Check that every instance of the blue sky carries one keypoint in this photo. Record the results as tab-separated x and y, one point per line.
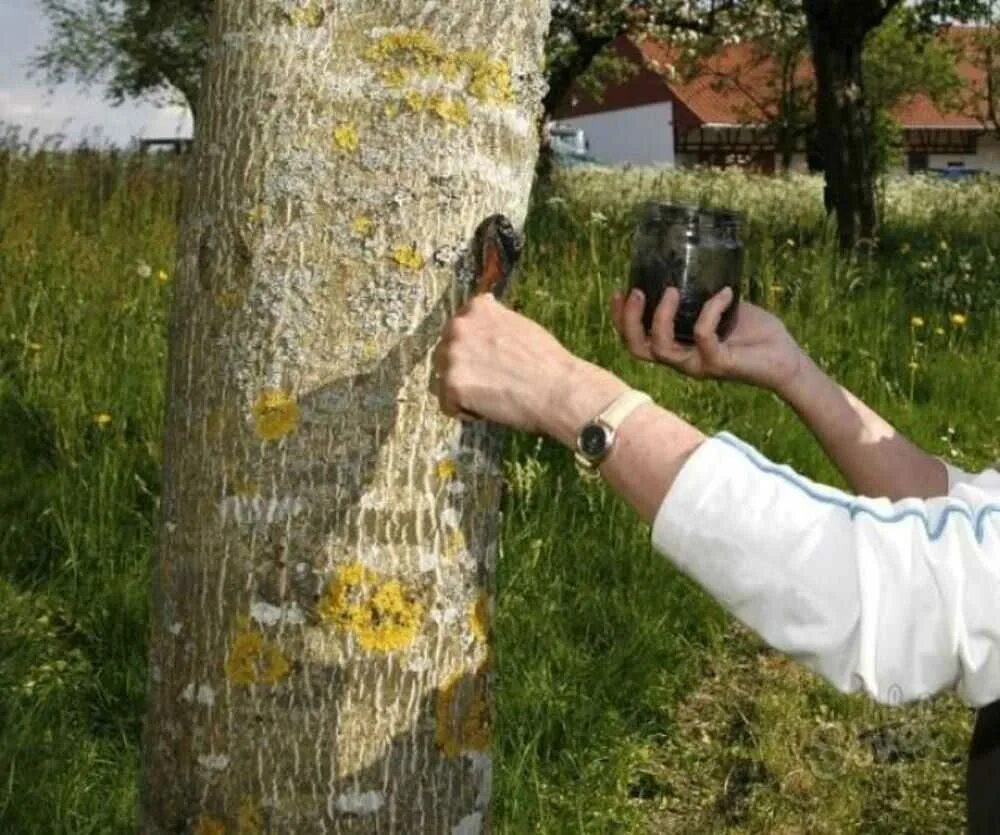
68	109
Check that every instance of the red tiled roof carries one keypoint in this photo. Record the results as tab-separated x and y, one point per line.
709	102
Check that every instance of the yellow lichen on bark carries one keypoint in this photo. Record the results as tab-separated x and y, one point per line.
275	414
245	488
259	213
408	257
446	469
490	79
363	226
382	614
345	137
249	820
454	543
252	659
418	52
462	713
206	825
311	14
228	299
479	617
447	109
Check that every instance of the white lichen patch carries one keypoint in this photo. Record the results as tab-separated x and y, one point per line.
374	499
419	664
428	561
451	518
250	510
278	317
469	825
175	628
213	762
482	766
445	616
359	803
203	694
268	614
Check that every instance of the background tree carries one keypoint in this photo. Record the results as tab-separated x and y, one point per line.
845	118
143	49
903	58
138	49
980	45
774	80
322	594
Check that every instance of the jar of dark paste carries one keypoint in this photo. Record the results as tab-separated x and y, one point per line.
696	249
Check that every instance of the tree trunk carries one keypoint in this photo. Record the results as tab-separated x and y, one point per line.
843	119
320	655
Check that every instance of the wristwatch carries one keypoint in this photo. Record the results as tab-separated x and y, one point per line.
594	441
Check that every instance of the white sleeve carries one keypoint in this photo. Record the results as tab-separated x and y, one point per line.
987	480
899	599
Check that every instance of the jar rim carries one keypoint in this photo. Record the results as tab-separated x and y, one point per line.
692	212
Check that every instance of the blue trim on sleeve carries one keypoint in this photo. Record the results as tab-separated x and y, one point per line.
854	505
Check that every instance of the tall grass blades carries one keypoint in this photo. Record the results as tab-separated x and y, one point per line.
627	700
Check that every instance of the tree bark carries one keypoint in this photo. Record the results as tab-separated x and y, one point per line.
843	117
320	656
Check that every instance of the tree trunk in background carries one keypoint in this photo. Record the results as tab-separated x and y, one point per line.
322	595
843	117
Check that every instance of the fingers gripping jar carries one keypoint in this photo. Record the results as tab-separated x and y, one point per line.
694	249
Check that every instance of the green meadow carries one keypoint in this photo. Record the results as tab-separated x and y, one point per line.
627	700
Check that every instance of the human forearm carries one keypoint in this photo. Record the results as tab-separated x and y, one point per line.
652	443
875	459
859	590
895	598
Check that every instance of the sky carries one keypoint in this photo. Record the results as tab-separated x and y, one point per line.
68	109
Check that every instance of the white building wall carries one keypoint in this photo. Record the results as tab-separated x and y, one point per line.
640	135
986	158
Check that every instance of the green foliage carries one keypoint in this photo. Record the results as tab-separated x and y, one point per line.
624	698
901	60
137	48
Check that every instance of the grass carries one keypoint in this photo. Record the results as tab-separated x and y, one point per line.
627	700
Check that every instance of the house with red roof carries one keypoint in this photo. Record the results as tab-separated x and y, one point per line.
658	116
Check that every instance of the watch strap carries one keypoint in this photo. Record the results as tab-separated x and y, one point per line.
612	417
621	407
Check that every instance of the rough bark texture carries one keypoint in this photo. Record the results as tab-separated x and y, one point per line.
843	118
320	654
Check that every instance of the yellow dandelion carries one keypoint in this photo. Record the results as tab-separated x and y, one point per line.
939	331
917	321
162	277
958	319
914	365
102	419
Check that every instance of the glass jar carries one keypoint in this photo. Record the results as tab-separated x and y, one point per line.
695	249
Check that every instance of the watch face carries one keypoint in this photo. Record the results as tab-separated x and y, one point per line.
593	440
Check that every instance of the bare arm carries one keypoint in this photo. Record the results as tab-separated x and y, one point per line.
895	598
651	445
875	459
